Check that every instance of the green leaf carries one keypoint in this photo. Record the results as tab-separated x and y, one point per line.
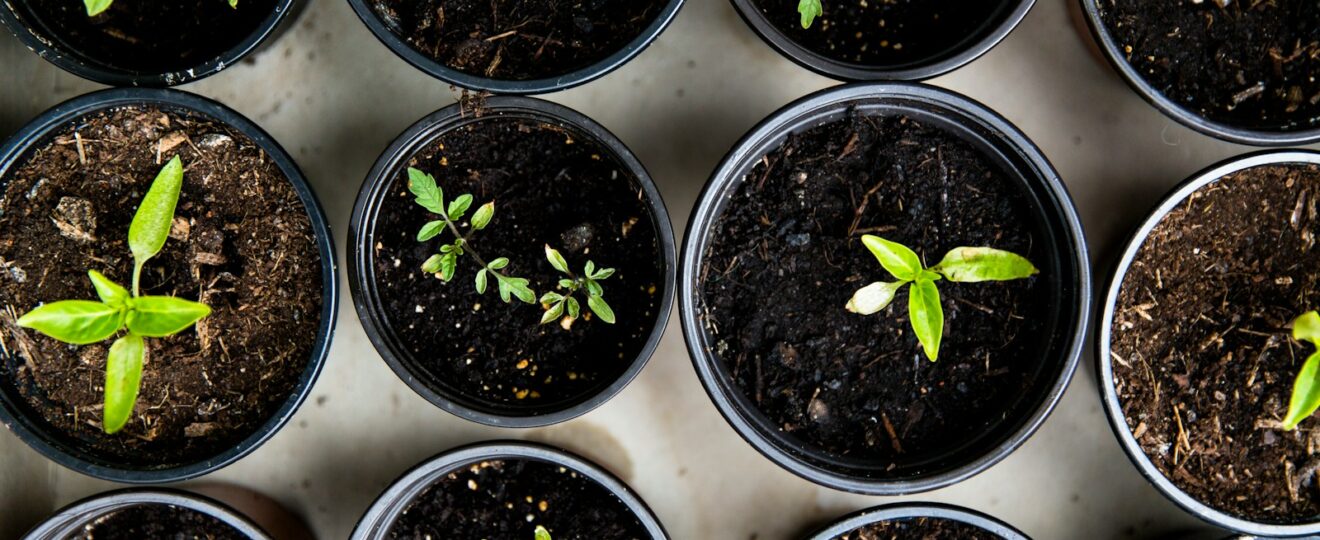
550	298
556	260
448	264
603	273
79	322
482	217
160	316
481	281
498	264
574	309
432	264
973	264
459	207
873	297
151	224
590	269
233	4
593	288
567	284
896	258
1306	393
927	316
810	9
431	230
518	287
113	294
553	313
95	7
429	195
1307	328
600	308
541	533
123	376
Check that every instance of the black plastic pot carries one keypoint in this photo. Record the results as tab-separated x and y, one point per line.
901	511
92	65
1002	142
380	517
970	48
1104	364
29	425
362	281
70	520
1113	51
564	81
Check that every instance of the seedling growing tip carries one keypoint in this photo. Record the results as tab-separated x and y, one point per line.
564	304
962	265
1306	388
82	322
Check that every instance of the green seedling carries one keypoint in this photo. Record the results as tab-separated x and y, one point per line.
443	264
83	322
809	9
95	7
1306	389
962	265
559	305
541	533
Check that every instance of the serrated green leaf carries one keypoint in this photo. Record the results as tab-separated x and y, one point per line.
79	322
574	309
113	294
550	298
428	194
556	259
1307	328
927	316
482	217
448	264
499	264
431	230
432	264
553	313
601	309
873	297
95	7
160	316
155	215
541	533
896	258
809	10
520	290
974	264
459	207
123	377
603	273
1306	393
481	281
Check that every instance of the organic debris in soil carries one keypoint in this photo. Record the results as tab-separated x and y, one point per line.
920	528
144	521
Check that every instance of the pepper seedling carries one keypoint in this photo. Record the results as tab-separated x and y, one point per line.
961	265
1306	388
558	304
809	9
83	322
95	7
541	533
443	264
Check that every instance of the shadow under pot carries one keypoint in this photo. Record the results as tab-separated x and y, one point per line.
519	47
927	521
514	267
904	40
518	489
1195	350
128	45
246	238
1241	72
780	264
167	513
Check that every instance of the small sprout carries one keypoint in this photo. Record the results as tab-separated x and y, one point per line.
541	533
962	265
810	9
445	263
564	305
82	322
96	7
1306	388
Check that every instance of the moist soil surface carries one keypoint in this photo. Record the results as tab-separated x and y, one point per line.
242	243
148	36
550	186
891	33
509	498
1202	354
158	521
517	39
919	529
786	255
1250	64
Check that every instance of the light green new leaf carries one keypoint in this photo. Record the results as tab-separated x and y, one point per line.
541	533
79	322
896	258
95	7
110	292
972	264
873	297
574	309
482	217
432	264
233	4
927	316
151	224
499	264
600	308
431	230
481	281
161	316
594	289
123	376
550	298
518	287
556	259
810	9
459	207
1306	393
567	284
429	195
1307	328
553	313
602	273
448	264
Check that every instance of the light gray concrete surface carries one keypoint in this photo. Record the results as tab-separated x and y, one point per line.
334	97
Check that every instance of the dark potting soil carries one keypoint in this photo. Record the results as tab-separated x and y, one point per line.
885	33
919	529
786	255
242	243
150	36
1250	64
517	39
1202	354
509	498
550	185
158	521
